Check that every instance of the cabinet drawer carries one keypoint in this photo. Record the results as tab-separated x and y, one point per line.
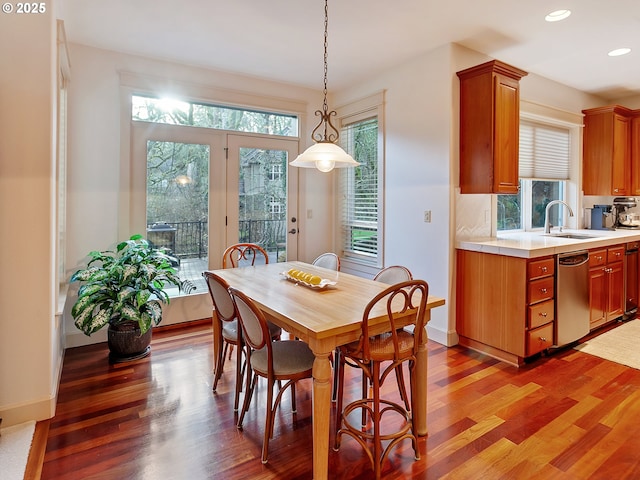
597	258
539	339
541	268
541	289
541	313
615	254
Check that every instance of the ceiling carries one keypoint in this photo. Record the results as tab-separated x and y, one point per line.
282	40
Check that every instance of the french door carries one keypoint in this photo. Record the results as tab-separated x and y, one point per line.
195	191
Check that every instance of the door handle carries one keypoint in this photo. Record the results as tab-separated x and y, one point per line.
293	231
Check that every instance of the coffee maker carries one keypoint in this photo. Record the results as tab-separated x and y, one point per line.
602	217
623	219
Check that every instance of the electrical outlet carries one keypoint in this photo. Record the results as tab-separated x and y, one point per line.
427	216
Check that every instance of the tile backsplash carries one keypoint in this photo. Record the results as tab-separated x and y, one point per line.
473	215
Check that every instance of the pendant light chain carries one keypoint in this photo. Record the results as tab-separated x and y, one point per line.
326	56
325	154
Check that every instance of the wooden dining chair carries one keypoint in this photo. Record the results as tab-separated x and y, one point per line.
390	275
378	356
393	274
244	254
328	260
286	360
224	312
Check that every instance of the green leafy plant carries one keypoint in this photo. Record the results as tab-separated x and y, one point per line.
125	286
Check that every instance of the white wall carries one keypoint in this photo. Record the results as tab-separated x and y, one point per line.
29	357
418	134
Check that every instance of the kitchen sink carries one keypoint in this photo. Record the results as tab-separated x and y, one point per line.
574	236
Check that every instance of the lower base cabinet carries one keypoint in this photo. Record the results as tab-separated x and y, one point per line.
505	306
606	285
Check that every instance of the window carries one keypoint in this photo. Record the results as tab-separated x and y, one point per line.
360	192
275	172
544	171
176	112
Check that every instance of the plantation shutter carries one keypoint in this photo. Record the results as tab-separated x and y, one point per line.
359	190
544	151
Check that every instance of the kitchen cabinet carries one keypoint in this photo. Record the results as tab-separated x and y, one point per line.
635	152
505	306
606	159
606	285
489	128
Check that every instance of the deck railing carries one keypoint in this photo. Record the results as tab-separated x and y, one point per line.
191	239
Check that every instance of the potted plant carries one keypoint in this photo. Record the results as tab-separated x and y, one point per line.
124	290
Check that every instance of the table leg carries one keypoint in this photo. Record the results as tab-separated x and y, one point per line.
321	415
421	386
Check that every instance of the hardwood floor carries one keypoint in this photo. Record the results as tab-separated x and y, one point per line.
567	416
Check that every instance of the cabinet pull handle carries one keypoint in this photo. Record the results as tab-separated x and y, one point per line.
543	339
543	290
544	269
543	314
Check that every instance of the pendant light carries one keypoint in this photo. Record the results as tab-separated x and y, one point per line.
325	154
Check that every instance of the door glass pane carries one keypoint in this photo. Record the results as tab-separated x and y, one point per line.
262	194
177	206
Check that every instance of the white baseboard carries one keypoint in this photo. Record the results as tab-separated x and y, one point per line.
446	338
38	410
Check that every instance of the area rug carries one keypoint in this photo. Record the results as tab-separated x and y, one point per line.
620	345
15	443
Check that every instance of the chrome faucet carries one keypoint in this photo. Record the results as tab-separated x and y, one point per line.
547	224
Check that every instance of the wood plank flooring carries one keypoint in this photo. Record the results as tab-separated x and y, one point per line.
566	416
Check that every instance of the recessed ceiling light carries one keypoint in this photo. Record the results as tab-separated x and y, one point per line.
619	51
557	15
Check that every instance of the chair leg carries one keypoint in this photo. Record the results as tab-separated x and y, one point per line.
377	442
293	398
402	388
336	360
239	377
252	379
220	363
338	423
268	427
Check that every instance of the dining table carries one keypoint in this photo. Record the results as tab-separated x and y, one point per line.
325	316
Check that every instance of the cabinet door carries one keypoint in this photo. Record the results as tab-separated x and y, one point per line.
615	287
635	154
597	296
507	134
621	159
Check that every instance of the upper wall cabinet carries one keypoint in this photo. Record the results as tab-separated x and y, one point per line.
606	158
635	152
489	128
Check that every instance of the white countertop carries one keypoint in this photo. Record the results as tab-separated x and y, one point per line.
537	244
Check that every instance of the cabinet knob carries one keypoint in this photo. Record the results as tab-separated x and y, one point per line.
544	269
543	290
543	339
543	314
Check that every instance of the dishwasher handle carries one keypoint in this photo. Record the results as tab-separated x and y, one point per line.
573	259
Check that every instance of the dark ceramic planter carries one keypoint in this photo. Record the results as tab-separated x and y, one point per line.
126	343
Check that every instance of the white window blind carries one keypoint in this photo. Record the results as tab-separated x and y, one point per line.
359	191
544	151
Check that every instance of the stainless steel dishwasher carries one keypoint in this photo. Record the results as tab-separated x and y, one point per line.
572	297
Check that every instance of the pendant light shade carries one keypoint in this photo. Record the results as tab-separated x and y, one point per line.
325	154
